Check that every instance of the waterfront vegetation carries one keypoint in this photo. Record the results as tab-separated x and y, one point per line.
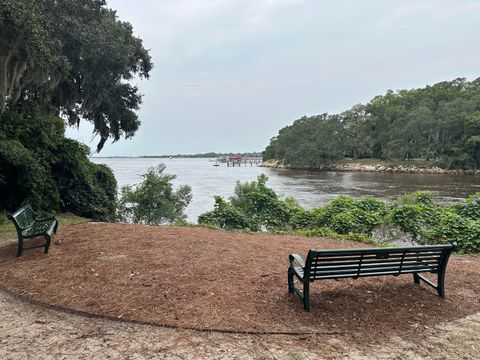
63	63
153	201
437	125
417	216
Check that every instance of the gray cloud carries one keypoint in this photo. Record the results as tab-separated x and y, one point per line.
229	74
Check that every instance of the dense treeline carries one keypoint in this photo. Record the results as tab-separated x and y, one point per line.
439	124
62	62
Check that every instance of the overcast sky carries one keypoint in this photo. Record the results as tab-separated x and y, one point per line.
230	73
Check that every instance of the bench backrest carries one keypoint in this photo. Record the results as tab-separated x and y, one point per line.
23	217
353	263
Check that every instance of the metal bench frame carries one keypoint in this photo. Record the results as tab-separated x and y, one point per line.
29	226
355	263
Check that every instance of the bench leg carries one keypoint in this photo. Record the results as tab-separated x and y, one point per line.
306	296
20	247
416	278
441	284
290	281
47	244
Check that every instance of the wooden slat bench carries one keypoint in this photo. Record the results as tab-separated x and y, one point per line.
29	226
355	263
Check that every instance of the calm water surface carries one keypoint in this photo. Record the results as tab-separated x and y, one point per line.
310	189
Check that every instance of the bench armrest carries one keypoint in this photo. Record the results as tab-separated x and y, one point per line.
297	258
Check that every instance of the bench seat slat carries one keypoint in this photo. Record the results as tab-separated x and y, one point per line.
366	274
322	258
374	261
396	250
355	272
373	267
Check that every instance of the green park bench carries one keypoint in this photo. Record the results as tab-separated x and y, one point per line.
355	263
29	226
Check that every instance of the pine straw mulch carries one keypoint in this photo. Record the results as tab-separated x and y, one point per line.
207	279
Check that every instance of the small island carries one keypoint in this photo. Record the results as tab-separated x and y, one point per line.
428	130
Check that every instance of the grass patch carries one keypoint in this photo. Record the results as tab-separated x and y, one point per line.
7	230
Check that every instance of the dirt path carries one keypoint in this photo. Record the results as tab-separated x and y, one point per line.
32	332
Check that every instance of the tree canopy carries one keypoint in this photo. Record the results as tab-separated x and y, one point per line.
76	59
439	123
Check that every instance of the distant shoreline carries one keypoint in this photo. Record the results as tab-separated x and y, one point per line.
182	156
371	166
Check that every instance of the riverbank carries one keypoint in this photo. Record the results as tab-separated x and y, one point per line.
374	165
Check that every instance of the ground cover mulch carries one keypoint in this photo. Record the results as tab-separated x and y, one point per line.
207	279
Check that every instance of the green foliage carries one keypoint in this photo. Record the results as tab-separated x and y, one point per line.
453	228
310	142
255	205
417	214
470	208
73	57
343	215
439	123
356	221
154	201
308	219
413	213
87	189
41	167
371	204
226	216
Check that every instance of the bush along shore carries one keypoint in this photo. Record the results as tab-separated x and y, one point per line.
415	217
358	166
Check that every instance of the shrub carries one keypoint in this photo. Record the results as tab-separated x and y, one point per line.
413	217
38	165
87	189
371	204
414	213
226	216
470	208
453	228
338	206
308	219
154	201
355	221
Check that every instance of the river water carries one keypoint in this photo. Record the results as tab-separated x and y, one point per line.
310	189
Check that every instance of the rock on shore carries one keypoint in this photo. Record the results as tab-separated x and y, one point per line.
358	167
